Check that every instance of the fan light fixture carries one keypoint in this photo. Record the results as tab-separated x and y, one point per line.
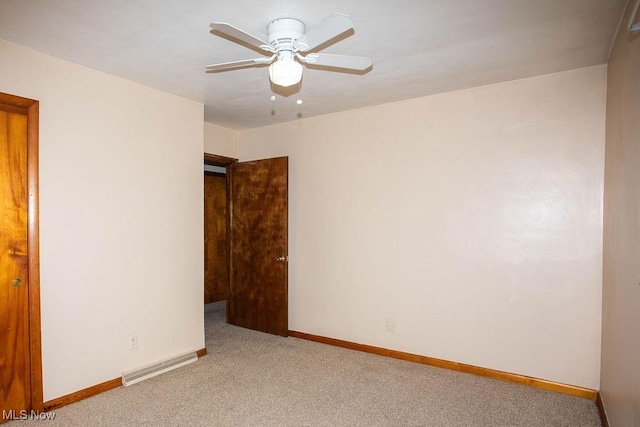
285	71
288	48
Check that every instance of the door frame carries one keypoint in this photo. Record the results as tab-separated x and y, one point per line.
31	108
215	160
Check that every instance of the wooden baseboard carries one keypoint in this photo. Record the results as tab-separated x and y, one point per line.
82	394
93	390
603	414
455	366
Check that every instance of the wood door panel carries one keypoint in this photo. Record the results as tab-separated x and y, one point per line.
15	388
216	259
259	289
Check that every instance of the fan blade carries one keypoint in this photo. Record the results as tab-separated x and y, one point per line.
237	34
332	26
358	63
238	64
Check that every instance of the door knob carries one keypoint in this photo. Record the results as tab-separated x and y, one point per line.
17	282
282	259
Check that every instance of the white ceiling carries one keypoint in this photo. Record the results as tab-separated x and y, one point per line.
418	47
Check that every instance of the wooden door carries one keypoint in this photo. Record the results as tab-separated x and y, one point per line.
15	375
216	258
258	294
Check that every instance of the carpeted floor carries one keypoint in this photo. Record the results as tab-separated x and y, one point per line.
254	379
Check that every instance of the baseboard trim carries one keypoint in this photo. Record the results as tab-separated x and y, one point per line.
82	394
93	390
603	414
454	366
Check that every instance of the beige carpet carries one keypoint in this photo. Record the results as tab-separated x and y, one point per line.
254	379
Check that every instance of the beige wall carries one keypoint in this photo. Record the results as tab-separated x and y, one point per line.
620	379
474	218
220	141
121	219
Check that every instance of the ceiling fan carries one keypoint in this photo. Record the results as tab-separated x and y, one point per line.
288	46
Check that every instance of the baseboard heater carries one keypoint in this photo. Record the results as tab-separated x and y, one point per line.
145	372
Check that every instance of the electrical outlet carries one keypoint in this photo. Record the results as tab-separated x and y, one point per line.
133	342
391	324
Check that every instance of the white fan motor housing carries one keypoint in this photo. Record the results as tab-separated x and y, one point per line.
283	32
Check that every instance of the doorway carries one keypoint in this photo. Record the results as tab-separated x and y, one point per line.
216	256
20	333
216	228
256	242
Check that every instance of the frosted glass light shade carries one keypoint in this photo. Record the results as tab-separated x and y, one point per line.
285	72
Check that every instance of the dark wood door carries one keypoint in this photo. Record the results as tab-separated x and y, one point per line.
15	388
216	258
258	297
